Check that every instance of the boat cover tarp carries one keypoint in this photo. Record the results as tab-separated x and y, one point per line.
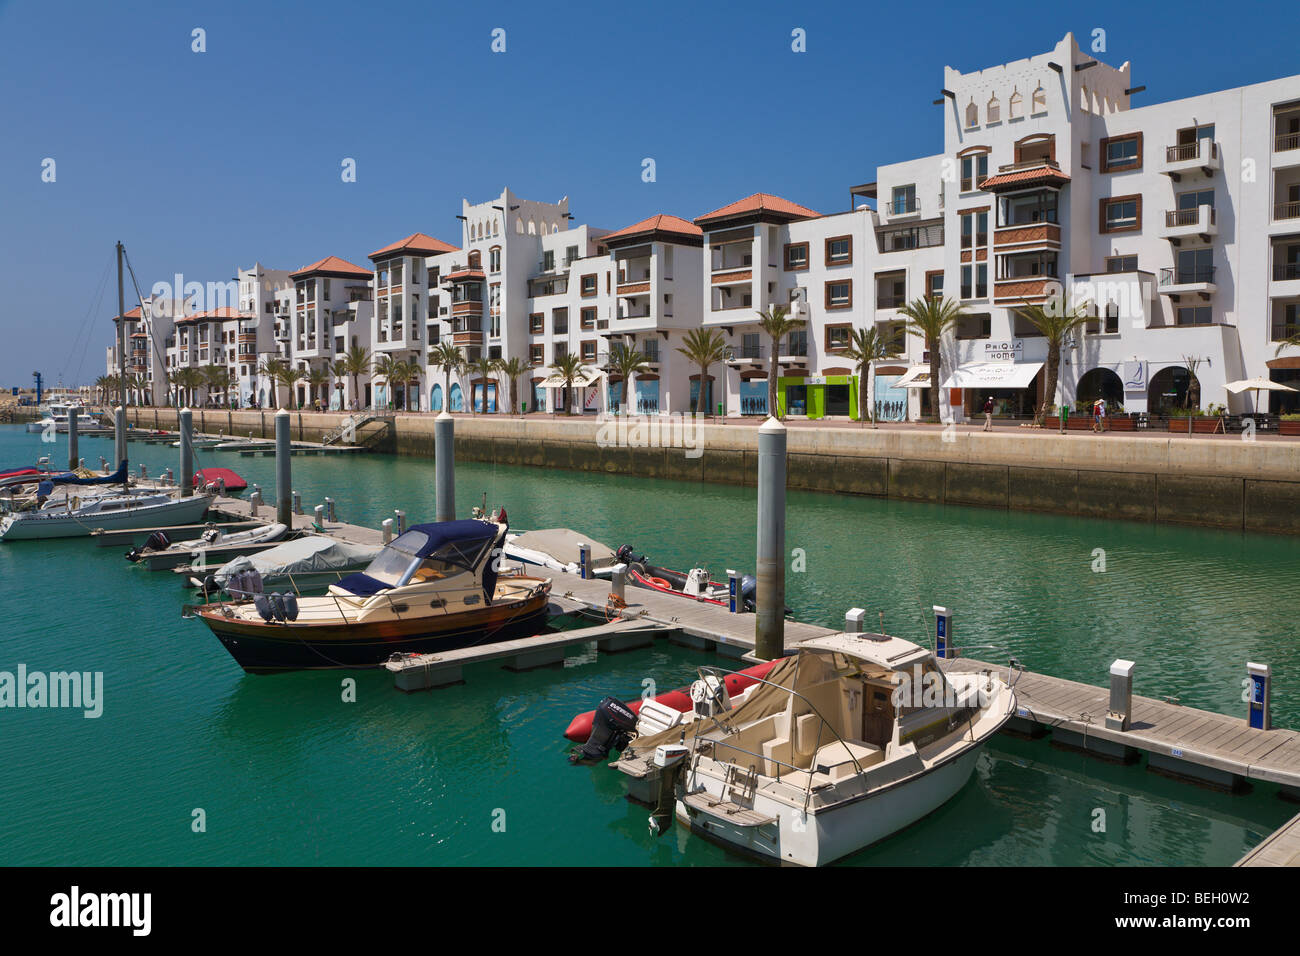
310	555
72	478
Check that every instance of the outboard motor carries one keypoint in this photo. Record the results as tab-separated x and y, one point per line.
627	556
669	758
749	591
612	728
155	542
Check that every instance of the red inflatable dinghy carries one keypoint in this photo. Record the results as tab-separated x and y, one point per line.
680	699
209	476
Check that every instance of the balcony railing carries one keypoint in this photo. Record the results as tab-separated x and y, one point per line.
1287	210
1282	331
890	301
1285	141
903	205
1184	152
745	352
1175	276
1286	271
1029	164
1186	217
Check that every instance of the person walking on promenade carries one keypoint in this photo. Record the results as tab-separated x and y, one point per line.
1099	416
988	414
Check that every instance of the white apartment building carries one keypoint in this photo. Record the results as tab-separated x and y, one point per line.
250	336
329	310
149	330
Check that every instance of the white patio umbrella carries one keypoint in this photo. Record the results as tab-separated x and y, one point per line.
1257	385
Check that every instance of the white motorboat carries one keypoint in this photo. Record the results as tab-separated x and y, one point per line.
212	537
72	516
244	444
557	549
308	563
56	418
843	744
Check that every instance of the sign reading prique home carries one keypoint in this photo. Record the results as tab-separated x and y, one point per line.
1008	350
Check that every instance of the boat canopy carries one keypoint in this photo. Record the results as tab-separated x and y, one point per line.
310	555
433	550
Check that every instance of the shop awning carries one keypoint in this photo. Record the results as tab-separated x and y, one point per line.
588	376
918	376
994	375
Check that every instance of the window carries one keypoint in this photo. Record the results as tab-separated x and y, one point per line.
839	251
1195	315
974	170
1015	106
559	321
1121	263
1121	214
796	343
589	285
588	318
974	326
1196	198
535	354
650	349
1027	209
837	337
536	322
993	111
476	260
934	285
570	253
904	200
1039	102
911	237
972	115
548	260
796	256
1121	153
588	350
494	259
975	281
1195	265
975	229
839	295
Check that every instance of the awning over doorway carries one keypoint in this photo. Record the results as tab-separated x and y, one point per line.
918	376
994	375
588	376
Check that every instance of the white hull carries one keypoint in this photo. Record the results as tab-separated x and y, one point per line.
829	833
40	525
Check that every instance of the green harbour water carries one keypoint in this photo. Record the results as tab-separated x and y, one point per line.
286	772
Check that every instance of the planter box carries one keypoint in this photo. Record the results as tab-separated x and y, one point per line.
1121	424
1288	428
1203	425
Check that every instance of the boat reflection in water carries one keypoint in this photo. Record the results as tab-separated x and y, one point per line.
433	588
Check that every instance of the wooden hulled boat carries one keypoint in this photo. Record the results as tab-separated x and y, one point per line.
433	588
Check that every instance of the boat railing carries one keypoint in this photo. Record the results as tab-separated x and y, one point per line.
728	728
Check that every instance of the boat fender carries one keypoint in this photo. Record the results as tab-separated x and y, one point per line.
612	728
277	606
263	605
291	606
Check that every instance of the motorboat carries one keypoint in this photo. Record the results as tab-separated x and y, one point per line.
557	550
310	563
434	587
244	444
694	584
56	419
841	745
72	516
202	443
213	536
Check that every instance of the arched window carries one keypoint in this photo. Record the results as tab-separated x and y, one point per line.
1015	105
457	399
972	115
1039	102
993	112
476	260
1085	102
519	225
496	227
532	227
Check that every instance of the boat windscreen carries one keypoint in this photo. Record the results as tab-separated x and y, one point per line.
396	562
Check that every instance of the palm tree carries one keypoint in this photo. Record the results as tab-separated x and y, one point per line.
626	362
387	368
568	366
928	318
449	358
290	376
355	362
1193	397
484	367
776	322
273	369
867	346
1057	318
216	378
319	379
512	369
1292	340
102	386
703	347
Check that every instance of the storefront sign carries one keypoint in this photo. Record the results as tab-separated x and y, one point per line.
1135	376
1012	350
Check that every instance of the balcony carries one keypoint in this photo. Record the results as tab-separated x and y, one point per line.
469	338
1177	282
735	277
902	208
1020	288
1198	222
745	355
1286	210
1029	235
1201	156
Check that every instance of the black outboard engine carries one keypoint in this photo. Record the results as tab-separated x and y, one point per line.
612	728
627	556
155	542
748	591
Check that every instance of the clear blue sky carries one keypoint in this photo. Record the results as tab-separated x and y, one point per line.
202	162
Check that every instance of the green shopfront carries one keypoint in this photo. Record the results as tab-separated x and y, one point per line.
818	396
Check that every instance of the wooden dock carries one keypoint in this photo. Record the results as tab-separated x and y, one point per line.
1281	848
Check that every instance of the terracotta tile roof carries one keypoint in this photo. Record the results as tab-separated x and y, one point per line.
659	223
466	274
1026	177
760	202
334	265
131	314
416	242
224	314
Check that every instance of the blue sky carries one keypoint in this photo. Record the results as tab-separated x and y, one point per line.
200	162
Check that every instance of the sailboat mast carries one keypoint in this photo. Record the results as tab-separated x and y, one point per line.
121	325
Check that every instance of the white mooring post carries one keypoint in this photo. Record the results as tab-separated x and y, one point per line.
297	503
400	515
853	620
319	512
1121	695
255	501
387	525
329	510
1259	715
769	626
584	561
943	633
618	581
444	467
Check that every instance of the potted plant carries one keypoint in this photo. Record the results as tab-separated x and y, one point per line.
1289	424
